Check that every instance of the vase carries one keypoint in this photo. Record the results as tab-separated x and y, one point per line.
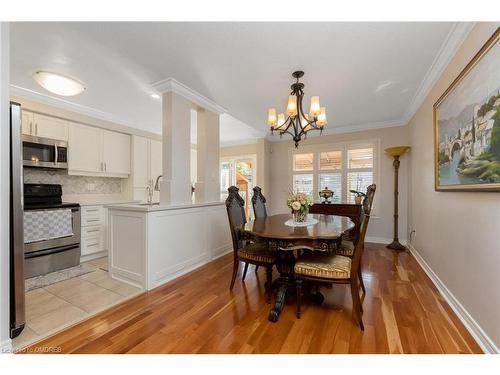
300	216
357	200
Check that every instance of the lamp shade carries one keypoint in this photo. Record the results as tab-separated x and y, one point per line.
315	109
321	120
397	151
271	117
291	107
281	119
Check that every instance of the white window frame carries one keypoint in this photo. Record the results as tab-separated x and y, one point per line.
317	149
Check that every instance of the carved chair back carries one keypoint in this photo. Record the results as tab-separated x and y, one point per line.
258	203
365	218
236	215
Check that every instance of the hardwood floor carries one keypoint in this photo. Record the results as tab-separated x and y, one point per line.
403	313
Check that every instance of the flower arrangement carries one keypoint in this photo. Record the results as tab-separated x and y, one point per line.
299	203
358	196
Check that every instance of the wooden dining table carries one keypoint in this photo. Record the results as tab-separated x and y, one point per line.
323	236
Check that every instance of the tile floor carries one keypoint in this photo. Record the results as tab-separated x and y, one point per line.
59	305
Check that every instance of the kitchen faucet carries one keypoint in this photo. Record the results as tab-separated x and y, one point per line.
157	183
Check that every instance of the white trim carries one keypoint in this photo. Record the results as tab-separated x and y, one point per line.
345	129
172	85
249	141
6	346
486	344
67	105
381	240
450	46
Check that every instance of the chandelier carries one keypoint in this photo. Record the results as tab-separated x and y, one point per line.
297	123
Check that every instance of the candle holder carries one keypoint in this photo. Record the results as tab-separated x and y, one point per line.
396	153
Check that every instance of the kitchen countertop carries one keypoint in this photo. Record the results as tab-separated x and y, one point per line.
160	207
98	200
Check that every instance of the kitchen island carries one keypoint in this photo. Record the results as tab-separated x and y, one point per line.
152	244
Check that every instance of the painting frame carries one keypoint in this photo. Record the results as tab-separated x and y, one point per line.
479	187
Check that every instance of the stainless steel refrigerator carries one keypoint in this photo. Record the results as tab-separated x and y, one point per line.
17	302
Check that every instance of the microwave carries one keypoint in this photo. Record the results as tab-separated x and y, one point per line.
41	152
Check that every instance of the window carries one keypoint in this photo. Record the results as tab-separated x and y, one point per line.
338	167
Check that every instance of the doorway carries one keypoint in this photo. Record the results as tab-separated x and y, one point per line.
239	171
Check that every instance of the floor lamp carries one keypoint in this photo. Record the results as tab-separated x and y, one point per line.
396	153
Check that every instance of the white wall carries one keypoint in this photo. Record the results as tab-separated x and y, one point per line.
4	187
381	226
457	233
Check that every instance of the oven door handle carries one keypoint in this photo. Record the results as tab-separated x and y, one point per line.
50	251
56	156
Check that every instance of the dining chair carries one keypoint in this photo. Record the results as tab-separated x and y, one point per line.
256	253
337	269
346	247
258	203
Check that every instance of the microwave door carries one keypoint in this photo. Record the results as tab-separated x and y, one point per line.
43	152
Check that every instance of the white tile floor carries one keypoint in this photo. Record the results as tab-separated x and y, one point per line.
59	305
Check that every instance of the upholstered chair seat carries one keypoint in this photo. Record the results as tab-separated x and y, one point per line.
346	248
324	266
257	252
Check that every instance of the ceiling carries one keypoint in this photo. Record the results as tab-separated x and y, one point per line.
366	74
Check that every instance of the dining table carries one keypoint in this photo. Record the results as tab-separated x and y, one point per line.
320	233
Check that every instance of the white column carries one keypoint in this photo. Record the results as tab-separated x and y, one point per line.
4	187
208	180
176	122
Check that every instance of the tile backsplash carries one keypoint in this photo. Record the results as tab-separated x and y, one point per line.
74	184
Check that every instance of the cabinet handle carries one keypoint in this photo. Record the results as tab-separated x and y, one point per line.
92	209
31	127
93	230
92	220
105	167
93	244
36	128
102	168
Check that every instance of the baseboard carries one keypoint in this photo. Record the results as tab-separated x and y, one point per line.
6	346
382	240
486	344
226	250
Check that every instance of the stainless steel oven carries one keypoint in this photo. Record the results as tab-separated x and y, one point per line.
53	250
44	152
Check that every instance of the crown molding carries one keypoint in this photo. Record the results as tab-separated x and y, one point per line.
448	49
172	85
67	105
348	129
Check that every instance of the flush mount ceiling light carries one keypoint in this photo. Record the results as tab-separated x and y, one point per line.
58	84
155	96
297	123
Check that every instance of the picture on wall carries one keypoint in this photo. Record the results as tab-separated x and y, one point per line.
467	125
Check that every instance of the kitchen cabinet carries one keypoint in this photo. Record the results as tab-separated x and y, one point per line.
146	166
93	232
44	126
27	120
84	150
97	152
116	152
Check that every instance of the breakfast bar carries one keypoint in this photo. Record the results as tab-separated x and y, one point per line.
152	244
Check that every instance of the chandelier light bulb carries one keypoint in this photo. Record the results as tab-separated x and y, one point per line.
315	109
304	121
271	117
291	108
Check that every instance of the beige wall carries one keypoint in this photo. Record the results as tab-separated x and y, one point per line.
457	233
380	227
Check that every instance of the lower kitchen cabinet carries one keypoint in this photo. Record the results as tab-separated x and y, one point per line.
93	232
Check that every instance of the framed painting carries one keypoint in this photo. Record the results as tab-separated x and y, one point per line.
467	126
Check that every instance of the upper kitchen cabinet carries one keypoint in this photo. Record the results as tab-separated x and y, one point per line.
98	152
44	126
116	153
146	166
84	150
